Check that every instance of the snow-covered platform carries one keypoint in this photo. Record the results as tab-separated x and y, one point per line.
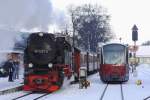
4	84
131	90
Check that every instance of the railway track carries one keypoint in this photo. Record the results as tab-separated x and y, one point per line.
101	98
41	96
122	96
22	96
32	95
105	94
147	98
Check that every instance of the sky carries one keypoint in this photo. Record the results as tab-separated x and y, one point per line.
25	14
40	15
124	14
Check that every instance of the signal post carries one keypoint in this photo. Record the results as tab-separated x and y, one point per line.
134	39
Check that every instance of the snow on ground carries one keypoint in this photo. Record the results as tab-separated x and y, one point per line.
138	92
4	84
131	90
74	93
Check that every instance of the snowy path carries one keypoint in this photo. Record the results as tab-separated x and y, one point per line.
4	84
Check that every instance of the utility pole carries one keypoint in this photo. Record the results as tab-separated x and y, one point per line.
73	49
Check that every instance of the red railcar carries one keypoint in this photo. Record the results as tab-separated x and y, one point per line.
87	60
90	61
114	63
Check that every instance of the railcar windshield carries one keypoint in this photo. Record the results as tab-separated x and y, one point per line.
114	54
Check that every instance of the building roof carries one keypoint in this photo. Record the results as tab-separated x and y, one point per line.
11	51
143	51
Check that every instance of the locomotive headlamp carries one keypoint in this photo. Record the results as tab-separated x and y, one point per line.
41	34
30	65
50	65
2	70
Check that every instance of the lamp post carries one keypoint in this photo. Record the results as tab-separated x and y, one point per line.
120	39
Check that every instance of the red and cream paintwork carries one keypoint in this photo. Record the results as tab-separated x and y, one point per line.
114	63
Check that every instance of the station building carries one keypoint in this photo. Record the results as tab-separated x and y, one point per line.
143	54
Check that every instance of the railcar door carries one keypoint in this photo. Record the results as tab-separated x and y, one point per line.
76	63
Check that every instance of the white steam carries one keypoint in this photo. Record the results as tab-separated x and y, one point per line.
25	14
7	40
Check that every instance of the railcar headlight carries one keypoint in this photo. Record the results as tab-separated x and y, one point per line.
41	34
50	65
30	65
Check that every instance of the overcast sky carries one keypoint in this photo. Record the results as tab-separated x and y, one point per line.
124	14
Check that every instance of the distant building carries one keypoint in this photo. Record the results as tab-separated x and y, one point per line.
143	54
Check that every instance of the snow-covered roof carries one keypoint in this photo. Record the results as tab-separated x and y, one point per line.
11	51
143	51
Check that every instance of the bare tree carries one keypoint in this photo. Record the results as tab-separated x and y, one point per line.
91	24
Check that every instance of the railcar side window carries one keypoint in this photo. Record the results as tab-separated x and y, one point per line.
67	57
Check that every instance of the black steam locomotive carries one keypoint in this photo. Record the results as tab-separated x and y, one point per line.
47	60
49	64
